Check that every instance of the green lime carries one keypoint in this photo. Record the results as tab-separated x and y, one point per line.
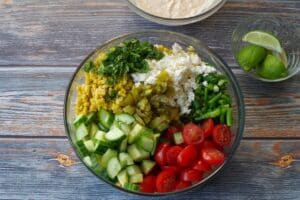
272	68
263	39
283	57
251	56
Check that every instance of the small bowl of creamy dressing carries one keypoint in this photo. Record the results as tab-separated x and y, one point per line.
175	12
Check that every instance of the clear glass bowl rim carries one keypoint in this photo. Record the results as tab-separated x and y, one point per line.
179	21
236	89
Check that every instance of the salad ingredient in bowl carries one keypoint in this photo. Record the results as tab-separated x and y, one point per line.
152	118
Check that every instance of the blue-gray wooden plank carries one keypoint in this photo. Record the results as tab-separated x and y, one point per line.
63	32
28	171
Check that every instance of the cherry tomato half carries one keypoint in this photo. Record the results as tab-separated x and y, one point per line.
210	144
192	134
202	166
176	169
161	153
149	184
221	135
182	184
166	181
187	156
172	154
212	156
208	127
191	175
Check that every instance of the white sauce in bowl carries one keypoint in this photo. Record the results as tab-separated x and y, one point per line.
175	9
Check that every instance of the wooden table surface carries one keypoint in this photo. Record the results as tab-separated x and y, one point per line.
42	42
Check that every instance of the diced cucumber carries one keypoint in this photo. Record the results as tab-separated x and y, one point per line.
93	129
87	160
102	128
100	135
136	153
115	134
81	132
147	166
123	177
135	133
146	143
81	147
89	145
125	159
124	127
123	145
178	139
94	160
125	118
110	153
101	145
105	118
91	161
133	169
91	117
113	167
80	119
136	178
156	138
132	187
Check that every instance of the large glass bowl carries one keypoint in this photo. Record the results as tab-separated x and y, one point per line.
166	38
176	22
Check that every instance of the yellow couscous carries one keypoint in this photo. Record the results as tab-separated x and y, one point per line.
94	93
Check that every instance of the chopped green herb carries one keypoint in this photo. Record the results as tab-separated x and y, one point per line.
129	57
89	66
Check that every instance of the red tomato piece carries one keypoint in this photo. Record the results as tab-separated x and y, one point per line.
149	184
210	144
160	155
171	130
191	175
212	156
192	134
176	169
202	166
182	184
221	135
166	181
172	154
187	156
208	127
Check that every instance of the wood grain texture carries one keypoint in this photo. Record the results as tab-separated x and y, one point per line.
32	103
28	171
64	32
42	42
